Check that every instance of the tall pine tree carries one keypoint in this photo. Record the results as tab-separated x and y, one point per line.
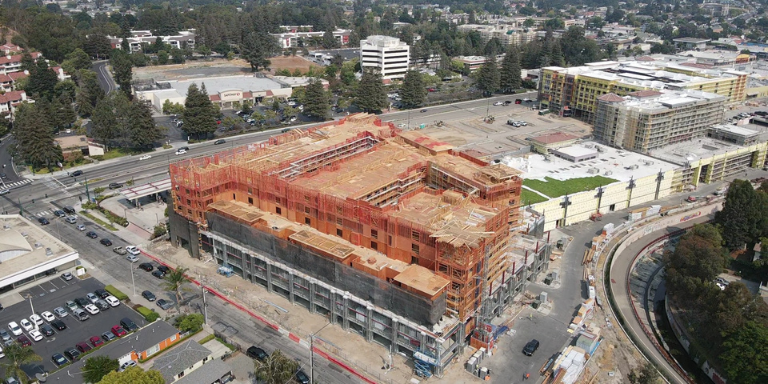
370	95
413	91
199	115
488	76
34	137
142	130
510	76
316	103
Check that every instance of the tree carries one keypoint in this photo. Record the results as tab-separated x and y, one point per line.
108	118
61	112
34	137
510	75
134	375
175	280
89	92
493	47
647	374
276	369
142	130
15	357
745	354
488	77
696	261
162	57
27	62
76	60
199	115
413	91
316	101
257	47
739	217
96	368
192	322
370	95
122	66
329	41
42	81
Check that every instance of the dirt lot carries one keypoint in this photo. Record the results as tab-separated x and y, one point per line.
291	63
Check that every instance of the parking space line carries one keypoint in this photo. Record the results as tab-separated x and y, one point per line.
54	285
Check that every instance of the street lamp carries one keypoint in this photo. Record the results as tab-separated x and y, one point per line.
133	281
312	353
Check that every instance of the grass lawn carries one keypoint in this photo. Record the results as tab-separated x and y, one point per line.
554	188
529	197
117	152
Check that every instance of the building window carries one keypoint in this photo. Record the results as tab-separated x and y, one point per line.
152	350
339	232
339	221
306	210
414	260
374	246
415	235
307	221
278	210
250	200
415	248
374	234
173	338
234	197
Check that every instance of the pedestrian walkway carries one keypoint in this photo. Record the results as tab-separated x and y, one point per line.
16	184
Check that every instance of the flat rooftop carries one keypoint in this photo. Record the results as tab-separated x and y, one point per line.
611	162
216	85
693	150
24	246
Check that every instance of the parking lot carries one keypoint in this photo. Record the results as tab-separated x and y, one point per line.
55	293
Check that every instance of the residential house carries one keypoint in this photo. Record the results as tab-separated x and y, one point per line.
184	360
9	101
12	63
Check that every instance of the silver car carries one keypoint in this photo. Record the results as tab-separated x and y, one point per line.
60	312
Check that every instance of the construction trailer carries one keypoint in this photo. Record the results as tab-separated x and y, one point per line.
360	213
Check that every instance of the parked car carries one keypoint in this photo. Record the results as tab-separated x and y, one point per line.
27	325
59	359
146	266
126	365
4	335
92	297
148	295
24	341
302	377
111	300
128	324
71	305
14	328
106	242
35	335
158	273
92	309
91	234
80	314
255	352
47	330
72	354
133	250
498	103
101	293
119	250
163	268
531	347
67	276
83	347
132	258
60	312
36	319
59	325
96	341
81	302
118	331
102	305
47	316
164	304
108	336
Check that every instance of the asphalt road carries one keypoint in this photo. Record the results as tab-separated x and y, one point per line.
103	75
55	293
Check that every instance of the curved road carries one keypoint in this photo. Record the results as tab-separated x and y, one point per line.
619	279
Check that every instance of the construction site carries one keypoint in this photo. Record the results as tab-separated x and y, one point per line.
394	235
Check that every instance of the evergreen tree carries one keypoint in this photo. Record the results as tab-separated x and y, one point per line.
42	81
740	215
142	130
199	114
316	103
107	119
61	112
370	95
34	137
96	368
413	90
510	75
488	76
557	55
125	45
122	67
329	42
89	92
27	62
256	49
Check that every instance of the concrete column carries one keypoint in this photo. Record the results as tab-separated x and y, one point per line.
345	315
395	325
312	308
422	341
461	338
291	296
439	356
333	309
269	275
369	323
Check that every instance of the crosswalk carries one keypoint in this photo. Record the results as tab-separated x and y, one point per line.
44	213
16	184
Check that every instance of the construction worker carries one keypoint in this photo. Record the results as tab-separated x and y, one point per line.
527	375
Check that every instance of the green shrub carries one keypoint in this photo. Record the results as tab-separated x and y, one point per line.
99	190
116	293
207	339
148	314
89	205
189	323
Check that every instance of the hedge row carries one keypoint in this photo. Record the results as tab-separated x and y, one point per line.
116	293
148	314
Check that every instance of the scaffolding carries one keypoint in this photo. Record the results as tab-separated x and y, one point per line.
414	200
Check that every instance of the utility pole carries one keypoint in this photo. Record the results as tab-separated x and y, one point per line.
130	265
87	193
205	305
312	353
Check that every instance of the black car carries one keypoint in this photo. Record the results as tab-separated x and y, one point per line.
82	302
423	110
128	324
102	305
158	273
46	330
76	173
531	347
59	359
302	377
146	266
164	269
219	141
43	221
101	293
59	325
106	242
115	185
72	354
255	352
184	148
59	213
148	295
91	234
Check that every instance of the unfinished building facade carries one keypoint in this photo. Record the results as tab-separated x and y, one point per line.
304	213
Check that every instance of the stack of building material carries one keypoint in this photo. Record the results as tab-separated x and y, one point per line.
569	365
584	310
